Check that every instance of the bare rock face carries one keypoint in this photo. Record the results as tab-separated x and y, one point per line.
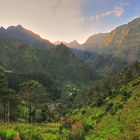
123	42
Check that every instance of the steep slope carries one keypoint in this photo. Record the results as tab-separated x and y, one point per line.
58	62
23	34
117	117
123	42
122	120
72	44
113	51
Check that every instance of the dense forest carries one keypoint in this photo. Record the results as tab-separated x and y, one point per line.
89	92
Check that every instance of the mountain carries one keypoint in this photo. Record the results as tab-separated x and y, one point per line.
63	96
107	53
72	44
113	51
23	34
123	42
57	42
59	62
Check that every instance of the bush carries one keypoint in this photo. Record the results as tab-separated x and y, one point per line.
10	134
87	128
77	136
2	135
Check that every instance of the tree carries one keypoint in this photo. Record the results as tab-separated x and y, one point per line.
33	93
13	102
68	94
3	91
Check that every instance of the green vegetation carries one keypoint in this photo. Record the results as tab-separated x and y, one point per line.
49	94
76	114
57	64
110	52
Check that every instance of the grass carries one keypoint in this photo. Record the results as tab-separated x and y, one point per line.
48	131
120	122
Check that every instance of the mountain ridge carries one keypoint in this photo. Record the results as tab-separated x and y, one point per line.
24	34
114	50
59	62
103	52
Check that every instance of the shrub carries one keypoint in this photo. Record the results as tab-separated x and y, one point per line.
87	127
2	134
77	136
10	134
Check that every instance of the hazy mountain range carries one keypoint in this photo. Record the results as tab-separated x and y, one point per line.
123	42
23	51
114	50
23	34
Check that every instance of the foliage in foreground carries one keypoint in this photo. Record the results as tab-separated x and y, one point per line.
117	119
115	116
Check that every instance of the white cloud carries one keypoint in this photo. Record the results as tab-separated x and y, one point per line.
117	11
52	19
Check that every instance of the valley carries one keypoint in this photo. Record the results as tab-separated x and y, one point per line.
70	91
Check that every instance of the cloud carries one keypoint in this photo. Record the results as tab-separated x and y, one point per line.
117	11
52	19
56	19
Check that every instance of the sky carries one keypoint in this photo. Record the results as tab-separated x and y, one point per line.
67	20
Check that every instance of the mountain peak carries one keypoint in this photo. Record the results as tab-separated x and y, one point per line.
57	42
96	38
20	26
72	44
17	28
136	19
2	28
21	33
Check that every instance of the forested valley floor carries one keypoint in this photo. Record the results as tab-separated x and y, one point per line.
106	109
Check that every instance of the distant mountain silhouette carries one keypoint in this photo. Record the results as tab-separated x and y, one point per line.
58	63
110	52
105	52
123	42
72	44
23	34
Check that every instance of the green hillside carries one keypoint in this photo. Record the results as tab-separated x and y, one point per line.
114	50
59	63
58	93
108	109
